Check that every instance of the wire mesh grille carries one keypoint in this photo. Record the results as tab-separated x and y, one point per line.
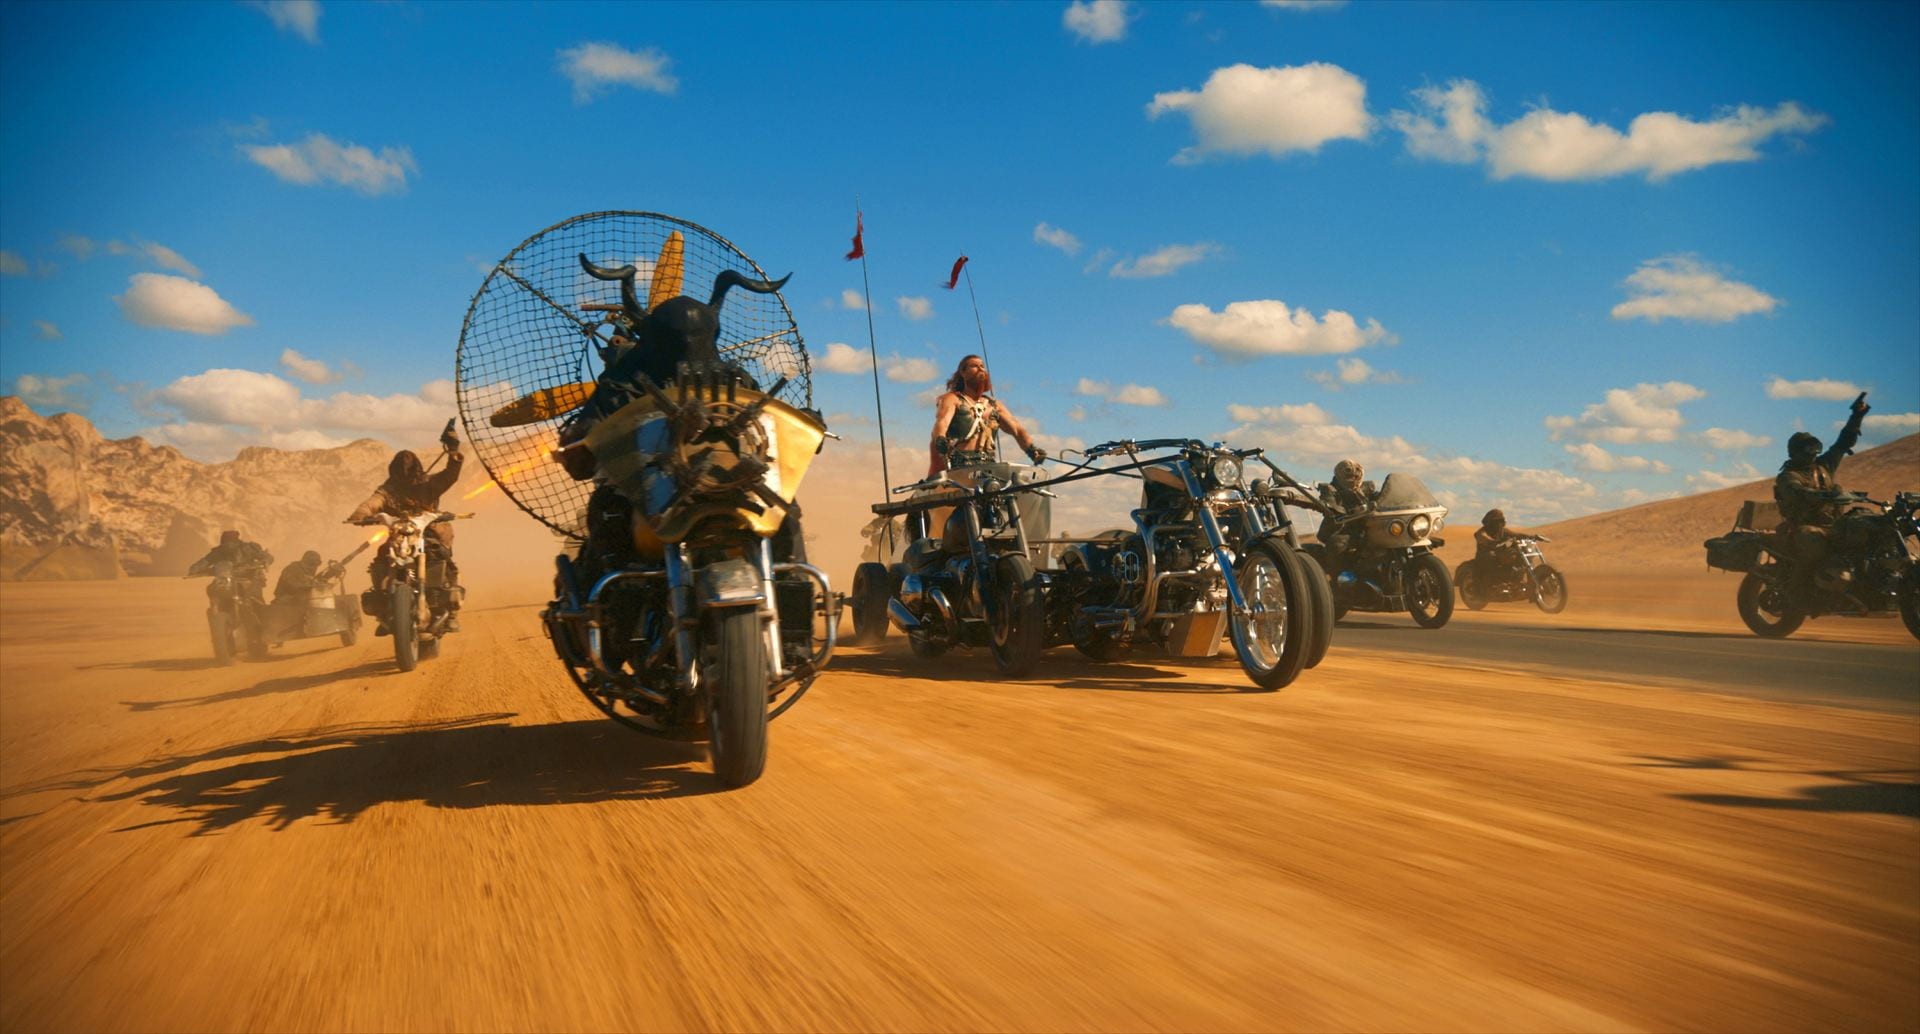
527	331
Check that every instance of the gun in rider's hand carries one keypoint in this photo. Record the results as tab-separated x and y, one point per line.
1860	404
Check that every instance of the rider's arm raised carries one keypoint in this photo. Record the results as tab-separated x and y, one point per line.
438	484
1849	436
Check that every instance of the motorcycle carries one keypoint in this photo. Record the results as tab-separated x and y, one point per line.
234	610
972	585
1210	556
1515	570
1392	566
418	601
1873	569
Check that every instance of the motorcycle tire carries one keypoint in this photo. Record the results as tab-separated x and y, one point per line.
1549	589
256	639
1468	585
350	634
1439	595
1910	603
1270	664
400	615
737	721
1022	630
1765	609
1321	592
872	590
220	630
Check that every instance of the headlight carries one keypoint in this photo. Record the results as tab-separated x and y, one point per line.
1421	525
1226	471
1438	523
1397	528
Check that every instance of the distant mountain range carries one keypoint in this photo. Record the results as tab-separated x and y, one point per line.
76	505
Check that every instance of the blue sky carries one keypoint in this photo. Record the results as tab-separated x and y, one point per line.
1558	258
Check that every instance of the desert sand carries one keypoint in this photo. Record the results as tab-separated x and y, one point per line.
1394	842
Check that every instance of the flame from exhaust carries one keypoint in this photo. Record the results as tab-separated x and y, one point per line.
377	537
518	468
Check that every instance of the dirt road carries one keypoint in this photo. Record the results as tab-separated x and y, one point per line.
1399	841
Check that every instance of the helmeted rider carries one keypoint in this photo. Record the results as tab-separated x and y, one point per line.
298	579
967	418
249	560
1347	496
1803	490
407	491
1493	531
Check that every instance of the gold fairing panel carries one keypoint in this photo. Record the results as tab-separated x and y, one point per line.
793	440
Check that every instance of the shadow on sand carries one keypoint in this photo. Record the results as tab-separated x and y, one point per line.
1889	792
337	774
285	684
1059	668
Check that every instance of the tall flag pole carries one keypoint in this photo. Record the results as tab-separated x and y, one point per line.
953	280
873	348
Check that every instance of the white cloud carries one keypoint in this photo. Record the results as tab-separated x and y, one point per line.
1353	372
1165	262
1451	124
176	303
76	245
1642	413
1465	485
219	410
313	371
1269	327
49	394
841	357
1055	237
909	371
48	330
1077	414
1636	496
852	299
160	255
167	258
1723	439
1304	5
1243	110
299	17
1709	480
1825	390
1680	287
1098	21
1903	423
320	160
1125	394
13	264
594	67
1600	461
915	308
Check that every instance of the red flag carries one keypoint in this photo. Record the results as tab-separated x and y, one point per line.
859	227
954	278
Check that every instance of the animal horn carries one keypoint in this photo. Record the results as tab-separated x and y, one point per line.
629	297
669	271
731	278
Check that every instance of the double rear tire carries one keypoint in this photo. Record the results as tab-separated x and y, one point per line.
872	589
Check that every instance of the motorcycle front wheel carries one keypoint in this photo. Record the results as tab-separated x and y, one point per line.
1765	608
1019	633
1271	637
1469	585
872	589
737	721
220	629
406	641
1429	591
1549	589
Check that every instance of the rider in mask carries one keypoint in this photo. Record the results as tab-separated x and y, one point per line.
1347	495
967	418
410	490
298	579
1493	530
1803	490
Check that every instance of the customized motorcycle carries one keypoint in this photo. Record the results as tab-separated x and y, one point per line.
1515	570
972	584
1873	569
1387	563
234	607
1208	554
686	608
418	602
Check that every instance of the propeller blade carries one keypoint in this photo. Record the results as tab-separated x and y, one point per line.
544	404
668	272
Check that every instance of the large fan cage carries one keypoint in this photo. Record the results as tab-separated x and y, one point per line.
527	331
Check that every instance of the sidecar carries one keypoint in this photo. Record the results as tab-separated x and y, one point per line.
323	612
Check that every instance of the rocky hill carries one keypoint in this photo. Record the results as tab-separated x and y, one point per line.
1668	533
76	505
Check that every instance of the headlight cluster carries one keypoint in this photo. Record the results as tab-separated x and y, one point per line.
1225	470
